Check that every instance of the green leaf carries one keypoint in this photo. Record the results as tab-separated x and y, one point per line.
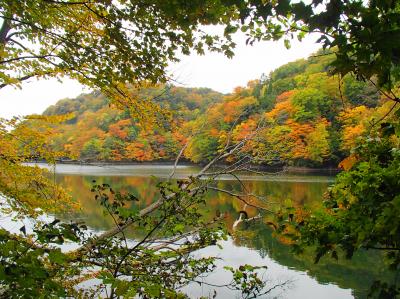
57	257
122	287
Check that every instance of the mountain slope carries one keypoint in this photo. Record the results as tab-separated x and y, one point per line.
302	115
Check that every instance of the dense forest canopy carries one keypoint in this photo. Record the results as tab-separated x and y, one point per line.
305	117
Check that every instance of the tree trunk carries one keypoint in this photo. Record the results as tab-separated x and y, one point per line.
5	28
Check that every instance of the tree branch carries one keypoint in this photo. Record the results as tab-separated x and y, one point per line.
27	57
177	160
24	78
68	2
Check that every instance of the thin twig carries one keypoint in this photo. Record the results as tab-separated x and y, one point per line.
384	116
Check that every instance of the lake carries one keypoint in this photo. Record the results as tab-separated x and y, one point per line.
252	242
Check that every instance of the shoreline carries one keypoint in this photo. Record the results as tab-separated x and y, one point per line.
261	168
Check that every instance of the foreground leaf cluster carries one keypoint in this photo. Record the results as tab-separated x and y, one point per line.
361	208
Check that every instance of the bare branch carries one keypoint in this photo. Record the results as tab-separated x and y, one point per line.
392	97
241	197
177	160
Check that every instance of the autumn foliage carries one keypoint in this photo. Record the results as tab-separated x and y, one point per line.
297	112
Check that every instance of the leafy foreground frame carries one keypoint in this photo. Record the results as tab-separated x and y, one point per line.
35	261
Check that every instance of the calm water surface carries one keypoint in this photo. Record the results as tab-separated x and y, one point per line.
252	244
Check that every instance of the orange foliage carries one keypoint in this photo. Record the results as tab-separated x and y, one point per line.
285	96
160	139
179	137
116	155
139	151
348	162
244	129
214	132
119	129
281	108
353	125
232	109
299	135
75	145
161	153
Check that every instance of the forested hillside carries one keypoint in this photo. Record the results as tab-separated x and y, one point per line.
303	117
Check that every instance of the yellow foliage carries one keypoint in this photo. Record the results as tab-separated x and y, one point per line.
29	188
350	135
354	115
317	142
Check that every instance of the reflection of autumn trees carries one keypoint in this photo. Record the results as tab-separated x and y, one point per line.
271	194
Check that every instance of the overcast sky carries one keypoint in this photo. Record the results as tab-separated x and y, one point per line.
211	70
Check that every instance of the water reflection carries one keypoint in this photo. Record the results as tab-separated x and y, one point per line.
253	243
145	189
